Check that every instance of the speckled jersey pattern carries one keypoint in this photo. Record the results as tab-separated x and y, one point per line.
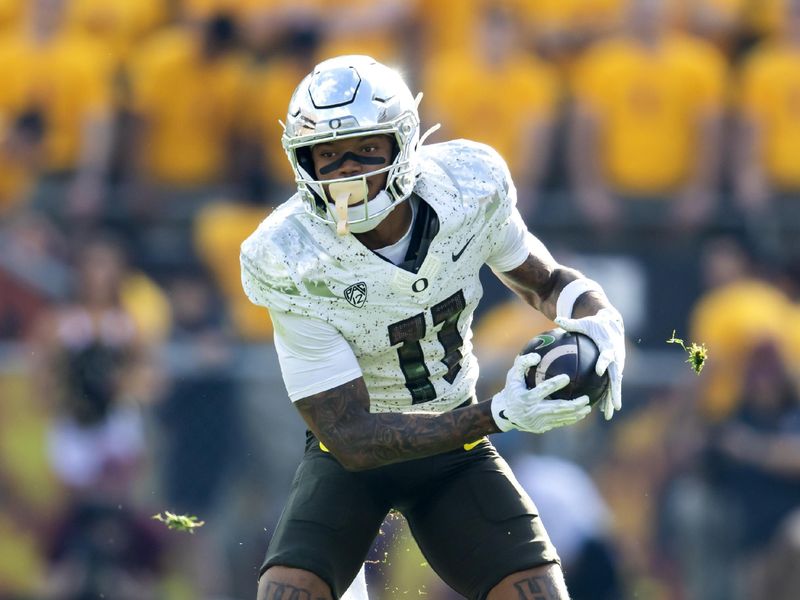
409	331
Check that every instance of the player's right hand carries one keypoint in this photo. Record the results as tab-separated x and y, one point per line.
517	407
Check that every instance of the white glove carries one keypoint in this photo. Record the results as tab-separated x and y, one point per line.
517	407
608	332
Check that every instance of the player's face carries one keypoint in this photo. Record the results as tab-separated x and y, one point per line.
352	157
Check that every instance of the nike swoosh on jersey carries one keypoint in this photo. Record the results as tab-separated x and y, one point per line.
457	255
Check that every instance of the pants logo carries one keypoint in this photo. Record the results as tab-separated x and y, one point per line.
356	294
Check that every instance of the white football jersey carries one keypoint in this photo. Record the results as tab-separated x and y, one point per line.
409	331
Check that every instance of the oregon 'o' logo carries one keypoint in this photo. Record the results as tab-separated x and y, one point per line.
356	294
420	285
335	123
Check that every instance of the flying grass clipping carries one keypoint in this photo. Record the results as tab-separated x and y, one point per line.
698	353
179	522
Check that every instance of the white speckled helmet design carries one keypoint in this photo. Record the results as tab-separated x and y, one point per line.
345	97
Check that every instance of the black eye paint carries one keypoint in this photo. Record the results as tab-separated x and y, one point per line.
364	160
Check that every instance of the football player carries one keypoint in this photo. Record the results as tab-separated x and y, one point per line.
370	275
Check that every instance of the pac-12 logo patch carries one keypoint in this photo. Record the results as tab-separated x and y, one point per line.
356	294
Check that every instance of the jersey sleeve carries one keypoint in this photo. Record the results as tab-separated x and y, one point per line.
510	249
281	265
508	230
313	355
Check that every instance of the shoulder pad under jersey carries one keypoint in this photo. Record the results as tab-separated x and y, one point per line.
280	262
474	168
466	181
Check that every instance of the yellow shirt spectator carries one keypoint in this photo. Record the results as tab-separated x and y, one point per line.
66	79
116	24
148	306
766	17
733	320
350	26
447	26
648	103
189	106
367	27
218	233
770	96
573	15
491	104
11	12
270	90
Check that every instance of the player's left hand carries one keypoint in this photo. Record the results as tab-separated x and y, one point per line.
607	331
517	406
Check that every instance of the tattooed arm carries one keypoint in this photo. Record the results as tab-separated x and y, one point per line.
341	420
311	351
540	279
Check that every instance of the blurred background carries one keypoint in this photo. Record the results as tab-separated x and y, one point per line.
655	145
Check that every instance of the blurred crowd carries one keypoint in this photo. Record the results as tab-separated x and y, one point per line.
655	144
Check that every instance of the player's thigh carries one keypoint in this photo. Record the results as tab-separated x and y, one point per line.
539	583
479	526
328	524
280	583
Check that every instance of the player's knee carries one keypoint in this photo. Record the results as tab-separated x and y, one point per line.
285	582
538	583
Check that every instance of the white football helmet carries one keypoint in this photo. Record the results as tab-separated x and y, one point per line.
346	97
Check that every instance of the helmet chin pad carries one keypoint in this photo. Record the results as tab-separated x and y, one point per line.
351	210
378	209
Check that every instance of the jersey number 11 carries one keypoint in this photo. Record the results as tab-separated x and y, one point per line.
412	361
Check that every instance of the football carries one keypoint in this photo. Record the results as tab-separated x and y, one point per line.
572	353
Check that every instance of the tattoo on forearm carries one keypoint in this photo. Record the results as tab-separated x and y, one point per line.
371	440
538	587
540	282
286	591
533	280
